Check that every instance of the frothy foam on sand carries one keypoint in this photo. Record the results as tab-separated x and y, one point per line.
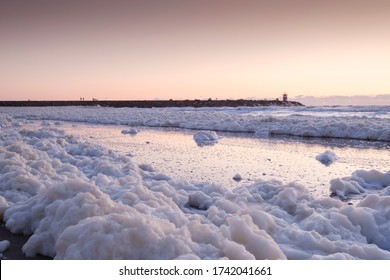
304	122
327	157
203	138
79	200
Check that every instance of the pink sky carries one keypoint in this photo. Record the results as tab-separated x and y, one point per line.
150	49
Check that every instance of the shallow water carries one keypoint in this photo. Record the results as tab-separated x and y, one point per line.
175	153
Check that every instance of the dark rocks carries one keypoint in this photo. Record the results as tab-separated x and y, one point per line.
153	103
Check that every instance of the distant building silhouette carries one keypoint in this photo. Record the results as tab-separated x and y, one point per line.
284	96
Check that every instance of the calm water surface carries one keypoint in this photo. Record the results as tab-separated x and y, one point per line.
175	153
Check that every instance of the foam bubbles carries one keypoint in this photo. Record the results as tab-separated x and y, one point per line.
3	206
131	131
203	138
326	122
361	181
4	245
5	121
327	158
78	200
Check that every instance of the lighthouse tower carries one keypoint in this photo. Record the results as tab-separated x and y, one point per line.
284	96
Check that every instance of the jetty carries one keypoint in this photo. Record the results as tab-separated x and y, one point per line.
197	103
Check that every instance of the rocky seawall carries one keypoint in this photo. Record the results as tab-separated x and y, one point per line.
153	103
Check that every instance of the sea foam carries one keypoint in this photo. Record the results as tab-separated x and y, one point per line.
78	200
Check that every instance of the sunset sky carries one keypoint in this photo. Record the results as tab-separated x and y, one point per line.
179	49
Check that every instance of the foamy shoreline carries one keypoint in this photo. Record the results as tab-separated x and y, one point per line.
343	123
79	200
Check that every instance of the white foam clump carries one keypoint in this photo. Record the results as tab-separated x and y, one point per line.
361	181
203	138
4	245
131	131
300	121
327	158
3	206
81	201
5	121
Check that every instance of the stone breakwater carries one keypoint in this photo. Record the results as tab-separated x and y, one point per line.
153	103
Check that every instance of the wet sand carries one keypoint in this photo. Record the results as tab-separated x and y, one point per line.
14	252
174	152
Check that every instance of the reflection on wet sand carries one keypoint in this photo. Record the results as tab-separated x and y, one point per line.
287	159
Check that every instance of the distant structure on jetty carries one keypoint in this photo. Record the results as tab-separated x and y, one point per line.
155	103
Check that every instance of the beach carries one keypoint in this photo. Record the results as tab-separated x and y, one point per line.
195	183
